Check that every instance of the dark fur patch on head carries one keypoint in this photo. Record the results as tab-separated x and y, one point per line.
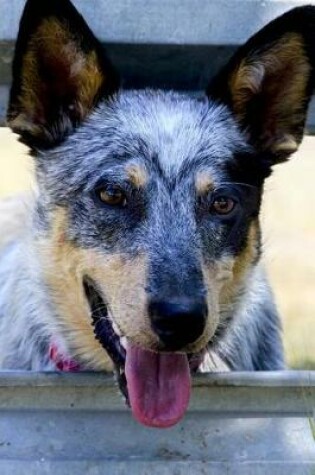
250	168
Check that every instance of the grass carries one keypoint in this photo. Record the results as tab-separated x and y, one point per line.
288	220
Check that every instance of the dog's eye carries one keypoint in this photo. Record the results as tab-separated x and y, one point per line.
222	205
112	195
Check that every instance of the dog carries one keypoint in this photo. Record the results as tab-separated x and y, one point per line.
140	252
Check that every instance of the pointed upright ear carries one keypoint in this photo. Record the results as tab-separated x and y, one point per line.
60	72
269	81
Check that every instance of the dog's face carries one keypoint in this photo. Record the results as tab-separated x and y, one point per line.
148	201
143	193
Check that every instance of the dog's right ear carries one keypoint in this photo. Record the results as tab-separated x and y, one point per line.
60	72
268	83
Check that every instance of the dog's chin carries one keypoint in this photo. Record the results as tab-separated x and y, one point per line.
141	372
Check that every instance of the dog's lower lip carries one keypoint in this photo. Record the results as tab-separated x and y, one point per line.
103	328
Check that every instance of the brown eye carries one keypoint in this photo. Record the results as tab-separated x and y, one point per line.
223	205
112	195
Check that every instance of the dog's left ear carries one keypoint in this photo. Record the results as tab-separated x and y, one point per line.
268	83
60	72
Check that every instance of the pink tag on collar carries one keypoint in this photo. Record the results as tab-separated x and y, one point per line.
61	361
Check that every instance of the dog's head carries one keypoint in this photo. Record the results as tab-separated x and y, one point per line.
147	215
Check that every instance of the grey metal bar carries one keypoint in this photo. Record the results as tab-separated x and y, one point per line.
279	394
192	22
63	424
177	44
264	379
165	467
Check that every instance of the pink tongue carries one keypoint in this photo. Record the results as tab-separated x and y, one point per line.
158	386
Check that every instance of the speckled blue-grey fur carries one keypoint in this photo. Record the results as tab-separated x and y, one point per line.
147	204
172	137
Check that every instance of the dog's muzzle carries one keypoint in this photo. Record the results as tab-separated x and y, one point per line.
155	384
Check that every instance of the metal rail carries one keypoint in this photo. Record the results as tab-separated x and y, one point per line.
178	44
167	21
264	394
237	424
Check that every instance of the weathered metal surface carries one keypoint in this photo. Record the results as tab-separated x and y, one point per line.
77	424
112	443
276	394
167	21
178	44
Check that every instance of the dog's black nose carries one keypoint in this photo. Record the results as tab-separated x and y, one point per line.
178	323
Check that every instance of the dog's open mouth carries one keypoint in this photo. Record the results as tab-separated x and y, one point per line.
155	385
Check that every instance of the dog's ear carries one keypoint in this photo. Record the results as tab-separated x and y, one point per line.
60	72
268	83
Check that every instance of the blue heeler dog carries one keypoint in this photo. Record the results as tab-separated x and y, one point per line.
142	251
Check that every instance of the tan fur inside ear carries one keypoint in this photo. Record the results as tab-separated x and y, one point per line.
279	76
56	71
